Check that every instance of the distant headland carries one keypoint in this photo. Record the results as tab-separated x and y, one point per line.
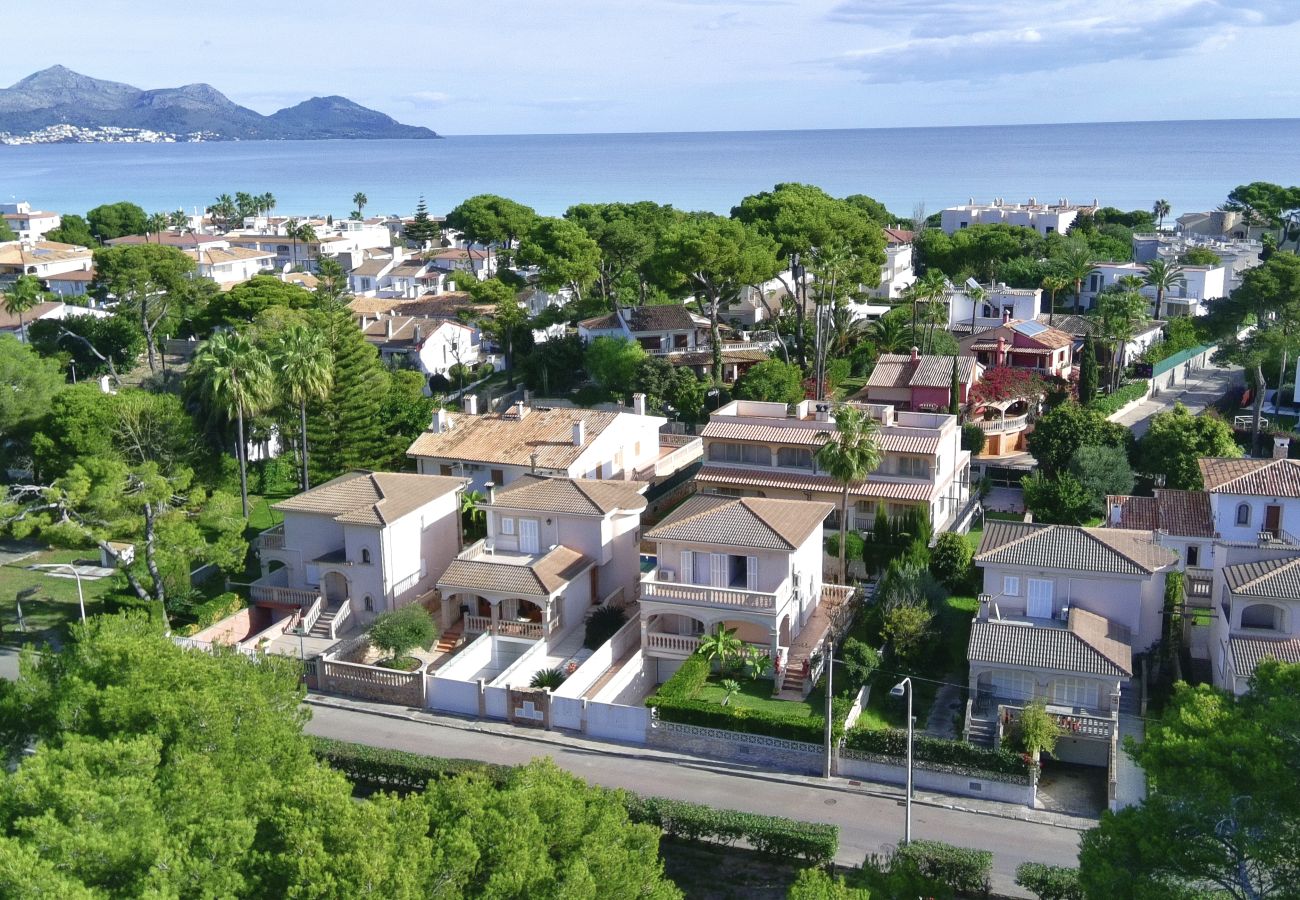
58	105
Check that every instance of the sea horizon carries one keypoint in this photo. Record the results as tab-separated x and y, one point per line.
1192	163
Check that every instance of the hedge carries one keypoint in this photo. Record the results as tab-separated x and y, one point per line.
1049	882
956	754
675	702
213	611
964	870
812	842
121	602
396	770
1112	403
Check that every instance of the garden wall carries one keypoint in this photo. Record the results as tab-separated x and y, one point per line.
793	756
853	764
601	659
450	695
372	683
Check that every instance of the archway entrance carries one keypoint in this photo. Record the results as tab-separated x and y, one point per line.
335	588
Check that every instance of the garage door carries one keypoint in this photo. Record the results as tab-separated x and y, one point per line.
1013	685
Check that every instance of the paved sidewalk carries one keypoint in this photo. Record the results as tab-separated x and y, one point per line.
571	741
1209	384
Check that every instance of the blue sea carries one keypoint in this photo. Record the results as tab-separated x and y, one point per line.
1192	164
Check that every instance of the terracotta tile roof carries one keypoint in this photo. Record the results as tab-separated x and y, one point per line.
373	268
896	370
1181	513
218	255
1247	653
1050	337
39	311
404	329
660	317
912	491
78	275
705	357
577	496
371	498
444	306
1275	578
607	322
540	578
458	253
898	235
494	438
1106	550
791	435
13	254
1253	477
742	522
1079	326
1084	646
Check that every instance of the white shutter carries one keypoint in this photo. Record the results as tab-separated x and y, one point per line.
1040	599
718	569
528	536
688	572
751	573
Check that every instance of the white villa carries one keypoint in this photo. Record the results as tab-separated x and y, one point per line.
1199	285
29	224
1045	218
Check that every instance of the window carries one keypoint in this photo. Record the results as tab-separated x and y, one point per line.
737	571
866	509
1013	685
748	454
1039	600
1193	555
507	525
498	477
794	457
913	467
444	469
365	555
370	603
1075	692
1261	615
1243	513
1011	585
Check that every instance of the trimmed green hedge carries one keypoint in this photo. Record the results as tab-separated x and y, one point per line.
395	770
675	702
121	602
964	870
812	842
1049	882
1112	403
956	754
212	612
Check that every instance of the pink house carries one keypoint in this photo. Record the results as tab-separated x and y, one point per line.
1023	345
919	382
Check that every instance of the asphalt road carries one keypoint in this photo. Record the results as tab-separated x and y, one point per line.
1196	394
868	823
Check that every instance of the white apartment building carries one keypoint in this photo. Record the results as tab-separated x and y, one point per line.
231	265
998	304
1199	285
1045	218
434	345
27	223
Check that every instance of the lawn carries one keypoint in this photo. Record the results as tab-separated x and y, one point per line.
850	386
55	607
756	695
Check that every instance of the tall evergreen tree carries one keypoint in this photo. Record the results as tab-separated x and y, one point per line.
344	427
1088	376
423	229
954	389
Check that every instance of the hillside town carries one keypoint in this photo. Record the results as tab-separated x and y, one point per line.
963	509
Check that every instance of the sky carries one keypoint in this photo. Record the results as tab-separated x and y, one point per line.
577	66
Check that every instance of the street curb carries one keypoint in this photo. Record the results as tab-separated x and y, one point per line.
840	785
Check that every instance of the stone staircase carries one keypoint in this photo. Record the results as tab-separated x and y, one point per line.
983	732
322	627
450	638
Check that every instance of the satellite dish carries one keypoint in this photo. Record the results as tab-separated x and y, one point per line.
972	284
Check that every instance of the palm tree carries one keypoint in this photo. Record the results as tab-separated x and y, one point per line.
267	202
889	335
20	299
929	288
1163	277
471	513
721	645
1076	265
301	231
730	688
178	219
359	200
849	457
976	295
1054	284
232	376
306	372
1160	209
223	209
156	224
291	230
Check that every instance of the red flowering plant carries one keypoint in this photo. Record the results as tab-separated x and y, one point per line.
1007	383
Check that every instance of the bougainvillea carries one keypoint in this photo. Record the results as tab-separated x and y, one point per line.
1008	383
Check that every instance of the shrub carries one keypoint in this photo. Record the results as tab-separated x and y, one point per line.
964	870
1037	730
860	662
811	842
956	756
547	678
211	612
603	623
402	630
950	560
1113	402
122	602
973	438
394	770
817	884
907	628
853	546
1049	882
591	396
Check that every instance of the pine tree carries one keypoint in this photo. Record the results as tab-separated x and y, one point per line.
345	428
423	229
954	390
1088	375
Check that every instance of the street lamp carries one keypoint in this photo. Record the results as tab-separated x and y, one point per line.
905	687
81	598
830	660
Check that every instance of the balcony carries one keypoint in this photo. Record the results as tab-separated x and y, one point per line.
729	347
1074	721
654	589
672	646
1003	426
282	596
271	539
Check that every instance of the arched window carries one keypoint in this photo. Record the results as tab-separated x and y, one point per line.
1262	615
1243	513
370	603
365	555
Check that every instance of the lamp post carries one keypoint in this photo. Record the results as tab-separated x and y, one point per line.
81	598
905	687
828	656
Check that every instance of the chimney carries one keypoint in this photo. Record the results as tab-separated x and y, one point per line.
439	423
1006	316
419	333
491	490
638	404
579	433
1116	513
469	403
388	328
1281	446
916	356
1002	352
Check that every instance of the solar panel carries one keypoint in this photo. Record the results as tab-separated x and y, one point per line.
1029	329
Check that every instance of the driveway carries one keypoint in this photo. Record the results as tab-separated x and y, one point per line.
1209	384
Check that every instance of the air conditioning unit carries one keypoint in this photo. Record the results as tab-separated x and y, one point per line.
1064	613
667	574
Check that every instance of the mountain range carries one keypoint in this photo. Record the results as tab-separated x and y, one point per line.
60	96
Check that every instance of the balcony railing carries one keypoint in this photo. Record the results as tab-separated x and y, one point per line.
271	539
260	593
477	624
532	630
702	595
1001	426
708	348
677	645
1200	583
1073	722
